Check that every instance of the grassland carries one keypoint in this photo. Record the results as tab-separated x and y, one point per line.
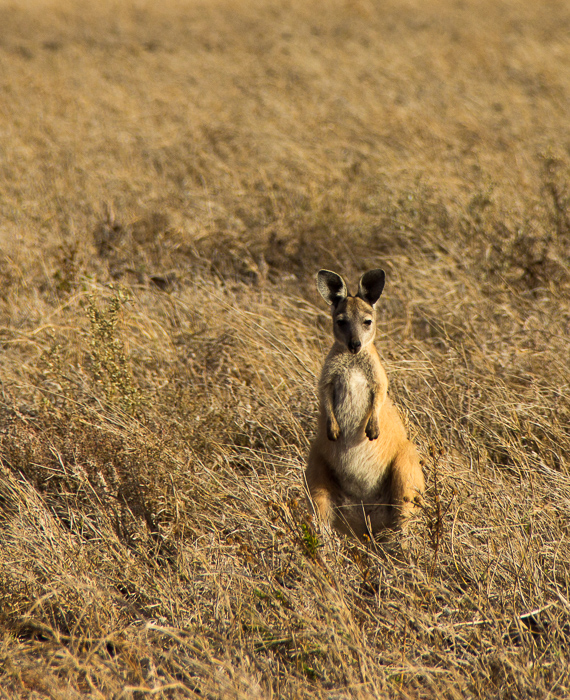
172	175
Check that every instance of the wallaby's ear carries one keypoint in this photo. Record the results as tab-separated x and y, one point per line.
331	286
371	285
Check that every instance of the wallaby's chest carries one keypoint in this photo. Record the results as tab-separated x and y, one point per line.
351	399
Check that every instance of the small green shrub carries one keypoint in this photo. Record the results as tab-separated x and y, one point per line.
109	362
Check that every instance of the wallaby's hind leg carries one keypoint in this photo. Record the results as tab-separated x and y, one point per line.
328	504
321	488
407	484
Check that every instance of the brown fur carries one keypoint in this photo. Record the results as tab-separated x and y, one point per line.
363	473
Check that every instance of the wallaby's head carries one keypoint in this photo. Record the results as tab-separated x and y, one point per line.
354	317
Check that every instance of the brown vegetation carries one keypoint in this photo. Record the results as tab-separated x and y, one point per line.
171	176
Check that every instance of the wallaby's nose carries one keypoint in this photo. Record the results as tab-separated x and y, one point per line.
354	346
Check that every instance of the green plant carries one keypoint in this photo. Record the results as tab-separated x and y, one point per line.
109	362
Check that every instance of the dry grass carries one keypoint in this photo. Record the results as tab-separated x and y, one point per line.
172	175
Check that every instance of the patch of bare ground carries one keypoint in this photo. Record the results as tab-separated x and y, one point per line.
171	177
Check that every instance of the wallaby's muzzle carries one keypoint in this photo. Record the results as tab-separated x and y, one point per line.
354	346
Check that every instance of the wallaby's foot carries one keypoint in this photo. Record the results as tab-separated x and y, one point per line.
333	430
408	506
372	429
326	536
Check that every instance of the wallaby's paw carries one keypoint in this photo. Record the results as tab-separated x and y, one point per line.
333	430
372	430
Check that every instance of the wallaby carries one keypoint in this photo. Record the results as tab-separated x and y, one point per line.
363	473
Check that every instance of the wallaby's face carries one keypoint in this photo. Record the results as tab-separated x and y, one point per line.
354	317
354	323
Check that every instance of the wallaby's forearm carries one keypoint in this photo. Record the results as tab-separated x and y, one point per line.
378	394
333	429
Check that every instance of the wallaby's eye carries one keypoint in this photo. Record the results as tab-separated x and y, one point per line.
341	322
368	322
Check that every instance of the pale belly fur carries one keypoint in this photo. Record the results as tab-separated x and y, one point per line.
351	403
354	458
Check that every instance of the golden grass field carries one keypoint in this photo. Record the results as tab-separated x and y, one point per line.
172	176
